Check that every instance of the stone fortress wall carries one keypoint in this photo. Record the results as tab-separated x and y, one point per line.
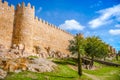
50	36
20	26
6	23
23	26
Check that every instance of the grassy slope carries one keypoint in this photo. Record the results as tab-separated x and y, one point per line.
105	72
64	72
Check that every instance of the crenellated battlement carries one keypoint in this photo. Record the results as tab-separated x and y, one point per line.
6	6
39	19
18	5
51	25
5	3
23	6
23	27
12	6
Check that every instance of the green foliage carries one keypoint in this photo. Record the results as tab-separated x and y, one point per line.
73	46
65	61
96	47
92	45
102	50
77	44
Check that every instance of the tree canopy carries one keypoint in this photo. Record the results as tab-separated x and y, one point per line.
91	46
95	47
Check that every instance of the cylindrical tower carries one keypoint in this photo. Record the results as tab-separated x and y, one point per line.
23	26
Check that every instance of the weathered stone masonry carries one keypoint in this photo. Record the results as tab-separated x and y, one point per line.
20	26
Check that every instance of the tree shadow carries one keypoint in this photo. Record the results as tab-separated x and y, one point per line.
70	61
58	76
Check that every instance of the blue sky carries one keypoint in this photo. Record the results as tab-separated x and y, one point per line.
90	17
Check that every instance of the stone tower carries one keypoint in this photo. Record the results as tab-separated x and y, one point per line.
23	26
6	24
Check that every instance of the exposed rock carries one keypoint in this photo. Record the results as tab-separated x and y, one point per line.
55	54
10	66
3	74
16	59
43	55
41	65
35	65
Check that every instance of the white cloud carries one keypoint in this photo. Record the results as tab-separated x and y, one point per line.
117	25
114	32
39	9
106	16
71	25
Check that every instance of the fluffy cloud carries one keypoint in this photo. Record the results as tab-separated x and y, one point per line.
114	31
106	16
71	25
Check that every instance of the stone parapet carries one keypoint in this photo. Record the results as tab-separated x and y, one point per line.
20	26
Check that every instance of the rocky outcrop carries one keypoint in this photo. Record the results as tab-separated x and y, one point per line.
2	74
23	64
45	52
16	60
41	65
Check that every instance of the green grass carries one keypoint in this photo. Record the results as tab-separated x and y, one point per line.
105	72
65	61
62	72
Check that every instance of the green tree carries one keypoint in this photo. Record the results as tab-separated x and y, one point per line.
103	50
95	48
77	46
92	47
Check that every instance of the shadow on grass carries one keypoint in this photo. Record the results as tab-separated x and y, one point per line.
70	61
57	76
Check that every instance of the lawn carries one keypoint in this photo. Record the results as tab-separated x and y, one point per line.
62	72
104	72
65	72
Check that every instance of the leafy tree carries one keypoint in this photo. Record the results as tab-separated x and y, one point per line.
103	50
77	46
95	48
92	47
